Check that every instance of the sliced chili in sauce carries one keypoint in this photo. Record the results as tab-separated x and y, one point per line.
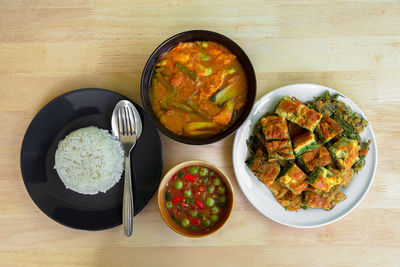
196	198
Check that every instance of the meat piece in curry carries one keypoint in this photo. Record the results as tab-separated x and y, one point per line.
198	89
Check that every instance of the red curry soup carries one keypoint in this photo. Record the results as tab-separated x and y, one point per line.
195	198
198	89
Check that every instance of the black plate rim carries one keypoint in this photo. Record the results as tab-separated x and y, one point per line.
21	163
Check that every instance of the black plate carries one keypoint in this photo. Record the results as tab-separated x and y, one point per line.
64	114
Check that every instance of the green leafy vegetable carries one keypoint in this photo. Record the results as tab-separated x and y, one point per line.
314	175
359	164
304	206
352	123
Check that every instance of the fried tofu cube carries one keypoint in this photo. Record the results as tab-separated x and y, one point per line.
286	198
316	157
315	200
265	171
298	113
258	160
279	150
346	176
275	128
291	202
338	197
271	171
345	152
294	179
294	129
277	189
287	108
323	179
304	143
327	129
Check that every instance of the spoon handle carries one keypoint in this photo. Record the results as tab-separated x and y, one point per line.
128	208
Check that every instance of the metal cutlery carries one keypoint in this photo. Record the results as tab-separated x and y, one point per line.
126	124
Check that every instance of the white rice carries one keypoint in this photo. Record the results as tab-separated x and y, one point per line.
89	160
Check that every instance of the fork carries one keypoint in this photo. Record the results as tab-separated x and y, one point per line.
127	137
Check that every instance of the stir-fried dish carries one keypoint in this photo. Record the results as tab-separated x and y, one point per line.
198	89
195	198
305	153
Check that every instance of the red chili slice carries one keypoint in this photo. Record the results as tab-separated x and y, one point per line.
202	188
195	221
174	177
189	177
199	204
177	199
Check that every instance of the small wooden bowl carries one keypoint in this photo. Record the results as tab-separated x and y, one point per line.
161	199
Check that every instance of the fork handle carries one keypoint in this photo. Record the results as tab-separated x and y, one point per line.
128	208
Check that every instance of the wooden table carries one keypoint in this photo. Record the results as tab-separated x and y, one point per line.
51	47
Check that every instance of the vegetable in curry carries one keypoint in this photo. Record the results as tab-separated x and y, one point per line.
198	89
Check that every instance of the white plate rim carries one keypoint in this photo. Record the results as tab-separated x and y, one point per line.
373	149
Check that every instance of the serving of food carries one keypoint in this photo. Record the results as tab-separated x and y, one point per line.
195	198
304	148
198	89
73	169
89	160
305	152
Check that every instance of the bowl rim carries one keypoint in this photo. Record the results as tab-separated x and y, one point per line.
166	178
251	75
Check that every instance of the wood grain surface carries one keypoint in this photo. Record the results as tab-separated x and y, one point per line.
51	47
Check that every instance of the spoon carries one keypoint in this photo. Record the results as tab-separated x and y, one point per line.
126	125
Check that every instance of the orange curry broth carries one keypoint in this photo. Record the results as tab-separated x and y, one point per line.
198	88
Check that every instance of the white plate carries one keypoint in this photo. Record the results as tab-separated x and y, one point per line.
261	197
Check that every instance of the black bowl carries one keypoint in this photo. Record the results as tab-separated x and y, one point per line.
190	36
